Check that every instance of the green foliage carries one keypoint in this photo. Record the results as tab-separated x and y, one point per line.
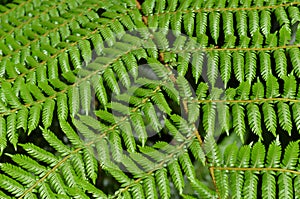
159	99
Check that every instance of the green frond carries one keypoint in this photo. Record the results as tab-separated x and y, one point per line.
149	99
250	66
56	143
225	66
40	154
238	122
241	17
269	185
285	185
238	66
250	186
71	134
162	180
11	185
265	63
150	187
280	59
289	86
290	155
212	151
3	139
19	174
214	21
209	116
254	119
296	185
203	191
184	88
176	175
284	117
12	133
139	127
274	155
187	166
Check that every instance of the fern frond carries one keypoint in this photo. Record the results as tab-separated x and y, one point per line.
127	90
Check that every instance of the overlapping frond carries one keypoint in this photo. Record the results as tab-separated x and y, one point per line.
133	89
251	171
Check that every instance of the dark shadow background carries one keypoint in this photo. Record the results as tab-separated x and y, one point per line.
3	2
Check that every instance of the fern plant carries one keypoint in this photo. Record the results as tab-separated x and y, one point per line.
153	99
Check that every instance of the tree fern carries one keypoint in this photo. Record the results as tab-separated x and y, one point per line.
149	99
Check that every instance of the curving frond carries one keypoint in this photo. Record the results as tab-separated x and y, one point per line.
131	99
